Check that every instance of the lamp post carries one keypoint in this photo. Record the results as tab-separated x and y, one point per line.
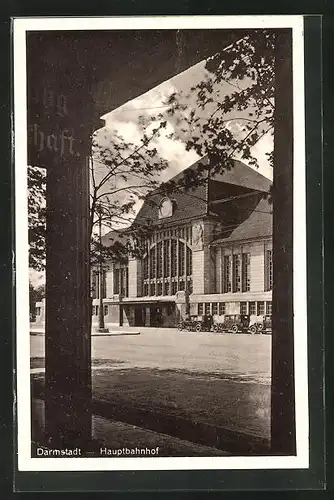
102	328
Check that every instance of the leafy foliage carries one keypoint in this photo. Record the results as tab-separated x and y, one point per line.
206	119
36	294
36	217
247	67
122	173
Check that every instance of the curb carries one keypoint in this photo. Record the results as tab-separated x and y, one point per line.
93	334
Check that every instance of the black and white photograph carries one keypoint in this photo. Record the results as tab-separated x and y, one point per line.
160	243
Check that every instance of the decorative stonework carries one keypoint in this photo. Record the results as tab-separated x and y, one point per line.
197	235
166	208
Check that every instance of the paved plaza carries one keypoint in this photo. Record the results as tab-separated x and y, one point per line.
206	388
240	356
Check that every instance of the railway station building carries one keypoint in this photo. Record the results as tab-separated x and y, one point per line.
208	251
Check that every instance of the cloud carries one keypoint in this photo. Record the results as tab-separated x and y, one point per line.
126	121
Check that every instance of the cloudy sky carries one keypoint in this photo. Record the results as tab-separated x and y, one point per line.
125	121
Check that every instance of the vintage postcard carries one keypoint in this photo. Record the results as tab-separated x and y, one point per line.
160	243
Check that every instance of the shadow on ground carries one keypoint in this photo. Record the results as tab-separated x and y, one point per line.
226	413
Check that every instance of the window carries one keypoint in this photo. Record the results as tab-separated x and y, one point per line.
200	308
173	258
145	289
252	308
243	308
222	308
214	308
167	258
189	262
227	274
269	265
38	311
159	260
159	288
245	272
145	270
153	263
207	308
260	308
96	310
181	258
124	282
269	308
105	310
116	281
236	273
190	285
166	288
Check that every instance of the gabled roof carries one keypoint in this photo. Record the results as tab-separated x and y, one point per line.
193	202
245	210
187	205
257	225
240	175
245	176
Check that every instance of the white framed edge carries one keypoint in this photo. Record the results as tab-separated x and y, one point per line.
25	461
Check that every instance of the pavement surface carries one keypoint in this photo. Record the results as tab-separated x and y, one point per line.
115	435
205	388
242	356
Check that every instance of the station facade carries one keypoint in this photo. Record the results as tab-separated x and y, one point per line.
209	250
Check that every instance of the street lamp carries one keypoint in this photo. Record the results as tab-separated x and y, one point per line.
102	328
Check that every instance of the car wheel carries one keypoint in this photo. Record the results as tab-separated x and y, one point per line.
198	327
180	326
234	329
260	328
253	329
216	328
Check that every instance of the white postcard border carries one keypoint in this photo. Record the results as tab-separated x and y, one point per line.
25	462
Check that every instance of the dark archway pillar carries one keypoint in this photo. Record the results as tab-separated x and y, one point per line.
68	342
283	395
61	117
65	74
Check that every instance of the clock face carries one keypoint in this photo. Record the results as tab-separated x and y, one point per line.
166	208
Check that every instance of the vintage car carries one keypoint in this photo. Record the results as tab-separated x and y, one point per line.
267	325
260	324
255	324
232	323
196	323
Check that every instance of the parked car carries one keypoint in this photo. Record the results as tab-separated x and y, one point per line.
196	323
267	324
260	324
232	323
255	324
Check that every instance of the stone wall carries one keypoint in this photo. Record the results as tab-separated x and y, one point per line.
135	278
204	279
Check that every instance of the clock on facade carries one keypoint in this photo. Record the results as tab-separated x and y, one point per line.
166	208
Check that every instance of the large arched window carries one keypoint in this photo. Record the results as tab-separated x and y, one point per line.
167	267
